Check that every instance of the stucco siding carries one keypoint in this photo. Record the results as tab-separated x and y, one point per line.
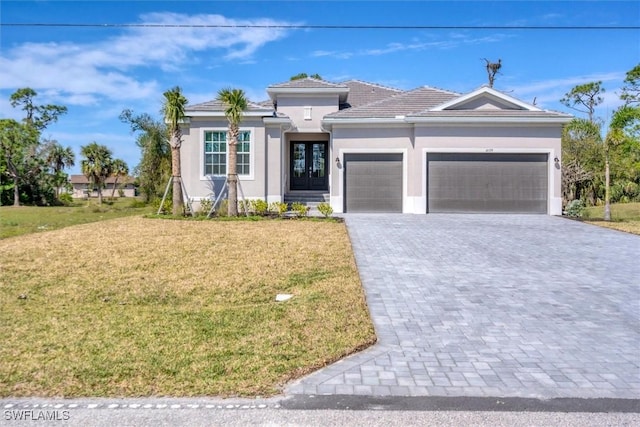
197	184
274	164
320	106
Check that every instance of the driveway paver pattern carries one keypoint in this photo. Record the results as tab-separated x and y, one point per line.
492	305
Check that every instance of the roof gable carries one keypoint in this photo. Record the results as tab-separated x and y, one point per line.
485	98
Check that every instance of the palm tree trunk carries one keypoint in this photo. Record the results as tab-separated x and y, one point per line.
178	202
113	191
607	196
232	177
99	194
16	192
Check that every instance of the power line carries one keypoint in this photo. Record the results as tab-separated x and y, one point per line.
329	27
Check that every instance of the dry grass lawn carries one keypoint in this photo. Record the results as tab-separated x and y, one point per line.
632	227
624	217
149	307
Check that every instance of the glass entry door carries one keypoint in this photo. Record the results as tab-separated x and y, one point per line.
309	166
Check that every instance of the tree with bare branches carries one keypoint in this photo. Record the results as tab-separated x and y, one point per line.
492	69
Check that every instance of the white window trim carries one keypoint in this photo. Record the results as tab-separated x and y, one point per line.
252	132
307	112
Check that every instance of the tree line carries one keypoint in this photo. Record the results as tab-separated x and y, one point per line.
601	164
32	168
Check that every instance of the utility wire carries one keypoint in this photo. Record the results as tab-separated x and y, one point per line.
330	27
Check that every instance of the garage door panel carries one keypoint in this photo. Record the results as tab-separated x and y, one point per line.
473	182
373	182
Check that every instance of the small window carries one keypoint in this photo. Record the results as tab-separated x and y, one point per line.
307	113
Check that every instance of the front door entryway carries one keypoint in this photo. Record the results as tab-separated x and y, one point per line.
309	166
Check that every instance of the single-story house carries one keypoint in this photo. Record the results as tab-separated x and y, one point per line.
80	187
364	147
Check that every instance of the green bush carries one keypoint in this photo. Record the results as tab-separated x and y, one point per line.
300	209
259	207
137	203
205	206
575	209
223	208
167	206
325	209
65	199
278	208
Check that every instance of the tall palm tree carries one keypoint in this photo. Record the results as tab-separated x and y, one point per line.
97	165
623	118
173	111
235	103
118	169
59	158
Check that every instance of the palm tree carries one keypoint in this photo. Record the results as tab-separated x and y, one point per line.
97	165
235	103
173	111
59	158
118	169
622	119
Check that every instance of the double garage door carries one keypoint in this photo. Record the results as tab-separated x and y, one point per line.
456	182
487	182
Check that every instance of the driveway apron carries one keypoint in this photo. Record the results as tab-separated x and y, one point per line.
492	305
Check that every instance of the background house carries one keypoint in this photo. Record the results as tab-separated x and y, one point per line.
80	187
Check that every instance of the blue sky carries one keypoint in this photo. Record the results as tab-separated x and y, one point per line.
98	71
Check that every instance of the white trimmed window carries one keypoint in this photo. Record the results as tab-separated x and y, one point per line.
216	153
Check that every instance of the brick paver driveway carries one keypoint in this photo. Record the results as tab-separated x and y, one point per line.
493	305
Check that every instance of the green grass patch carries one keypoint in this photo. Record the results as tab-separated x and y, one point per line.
624	217
144	307
16	221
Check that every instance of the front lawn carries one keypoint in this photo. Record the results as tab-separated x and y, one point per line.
624	217
150	307
16	221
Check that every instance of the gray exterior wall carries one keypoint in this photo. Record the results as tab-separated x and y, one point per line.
416	142
198	185
294	108
367	140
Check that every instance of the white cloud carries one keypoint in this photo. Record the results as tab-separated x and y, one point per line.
549	92
85	73
453	40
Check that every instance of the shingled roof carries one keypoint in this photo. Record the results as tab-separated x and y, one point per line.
361	93
216	105
307	83
401	104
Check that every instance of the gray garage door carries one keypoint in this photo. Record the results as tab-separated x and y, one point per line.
491	182
373	182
